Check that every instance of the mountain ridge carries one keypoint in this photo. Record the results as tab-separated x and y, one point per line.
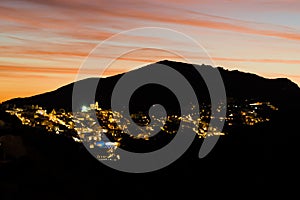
239	85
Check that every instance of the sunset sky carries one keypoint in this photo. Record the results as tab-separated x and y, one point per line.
44	42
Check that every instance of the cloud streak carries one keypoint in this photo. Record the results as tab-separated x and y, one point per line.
296	62
73	24
48	39
54	70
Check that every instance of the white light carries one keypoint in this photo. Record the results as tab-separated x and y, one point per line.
84	109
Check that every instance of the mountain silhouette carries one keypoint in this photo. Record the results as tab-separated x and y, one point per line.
248	159
239	86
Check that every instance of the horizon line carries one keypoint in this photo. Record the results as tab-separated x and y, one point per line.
146	65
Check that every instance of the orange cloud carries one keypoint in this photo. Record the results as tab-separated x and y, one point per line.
72	25
257	60
217	25
39	36
55	70
47	70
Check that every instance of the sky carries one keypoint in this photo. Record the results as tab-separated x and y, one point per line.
43	43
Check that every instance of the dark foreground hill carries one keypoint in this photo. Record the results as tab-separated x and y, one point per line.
259	160
255	161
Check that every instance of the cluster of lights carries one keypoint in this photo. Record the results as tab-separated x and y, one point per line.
93	132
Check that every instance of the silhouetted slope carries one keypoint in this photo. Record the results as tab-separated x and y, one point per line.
249	159
239	86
